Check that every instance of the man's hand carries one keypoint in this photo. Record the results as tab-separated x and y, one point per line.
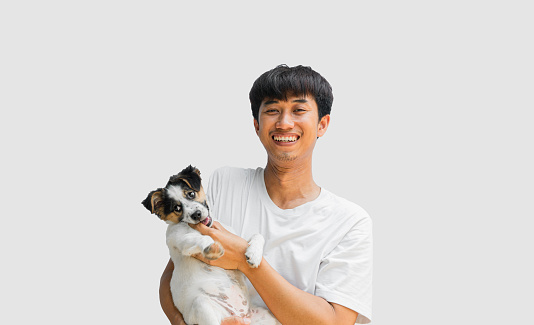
234	247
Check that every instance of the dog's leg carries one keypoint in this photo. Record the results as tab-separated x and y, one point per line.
194	243
254	251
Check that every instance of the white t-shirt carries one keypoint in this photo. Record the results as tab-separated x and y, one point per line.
323	247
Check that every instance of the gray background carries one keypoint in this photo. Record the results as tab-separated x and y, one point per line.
431	133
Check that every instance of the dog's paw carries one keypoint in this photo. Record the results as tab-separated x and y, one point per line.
253	258
254	252
214	251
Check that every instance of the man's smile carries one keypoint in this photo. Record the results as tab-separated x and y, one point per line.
285	138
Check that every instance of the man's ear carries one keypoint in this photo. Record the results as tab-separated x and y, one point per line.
323	125
257	126
154	202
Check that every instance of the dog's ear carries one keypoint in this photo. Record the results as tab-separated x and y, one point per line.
154	202
190	175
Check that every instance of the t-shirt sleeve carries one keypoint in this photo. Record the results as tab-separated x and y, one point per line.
225	190
345	274
215	189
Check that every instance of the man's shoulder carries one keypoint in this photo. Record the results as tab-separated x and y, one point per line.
228	188
345	207
235	172
234	177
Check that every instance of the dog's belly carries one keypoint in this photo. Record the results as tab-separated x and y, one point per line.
225	289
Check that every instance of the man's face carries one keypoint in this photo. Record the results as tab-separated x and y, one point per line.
289	129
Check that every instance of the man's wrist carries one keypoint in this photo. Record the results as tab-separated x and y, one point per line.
247	270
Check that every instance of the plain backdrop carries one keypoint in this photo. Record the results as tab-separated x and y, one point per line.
431	133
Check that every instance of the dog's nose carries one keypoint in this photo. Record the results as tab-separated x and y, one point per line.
196	215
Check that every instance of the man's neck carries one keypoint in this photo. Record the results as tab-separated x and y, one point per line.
290	186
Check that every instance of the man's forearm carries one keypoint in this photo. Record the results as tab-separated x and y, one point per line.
291	305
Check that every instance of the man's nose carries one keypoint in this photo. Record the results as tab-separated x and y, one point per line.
285	121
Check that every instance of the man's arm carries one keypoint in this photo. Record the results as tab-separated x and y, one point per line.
289	304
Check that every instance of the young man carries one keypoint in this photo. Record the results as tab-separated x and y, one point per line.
317	265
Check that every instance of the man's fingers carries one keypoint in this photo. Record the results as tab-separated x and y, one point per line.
217	225
203	229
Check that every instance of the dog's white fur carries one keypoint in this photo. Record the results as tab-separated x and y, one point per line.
205	294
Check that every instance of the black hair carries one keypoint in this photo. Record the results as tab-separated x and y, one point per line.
284	81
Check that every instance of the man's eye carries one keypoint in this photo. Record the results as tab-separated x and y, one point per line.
178	208
191	195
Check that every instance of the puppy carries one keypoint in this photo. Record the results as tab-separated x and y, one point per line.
204	294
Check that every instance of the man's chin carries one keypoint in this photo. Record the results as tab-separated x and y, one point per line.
285	157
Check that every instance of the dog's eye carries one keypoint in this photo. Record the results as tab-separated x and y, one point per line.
178	208
191	195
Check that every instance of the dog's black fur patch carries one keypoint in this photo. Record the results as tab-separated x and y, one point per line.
148	201
169	204
190	176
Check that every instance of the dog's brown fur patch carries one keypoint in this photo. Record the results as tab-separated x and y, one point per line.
173	217
200	196
157	203
185	180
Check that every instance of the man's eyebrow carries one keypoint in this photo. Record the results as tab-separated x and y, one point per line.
299	100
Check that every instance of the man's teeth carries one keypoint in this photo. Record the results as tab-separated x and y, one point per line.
285	139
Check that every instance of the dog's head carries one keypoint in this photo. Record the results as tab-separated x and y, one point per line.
181	200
